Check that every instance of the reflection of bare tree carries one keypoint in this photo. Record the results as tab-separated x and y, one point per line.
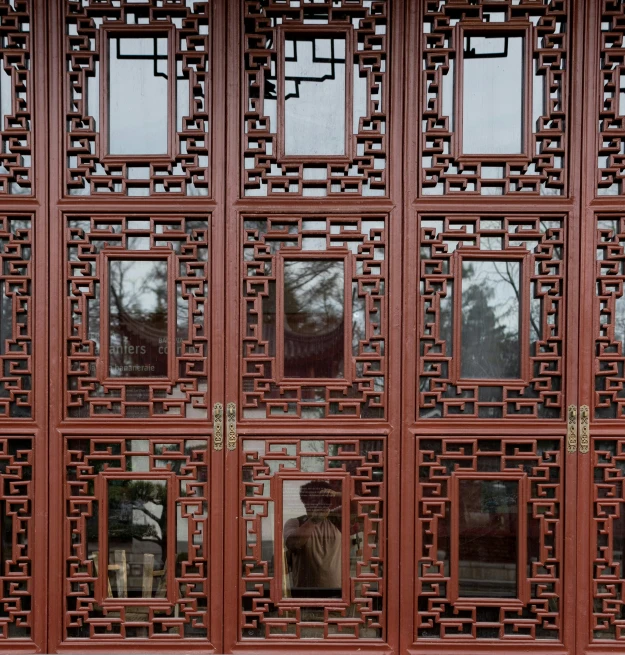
313	295
503	270
138	314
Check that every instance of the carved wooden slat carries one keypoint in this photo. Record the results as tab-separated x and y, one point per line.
611	121
16	248
360	392
90	392
542	170
363	171
16	154
90	171
537	616
176	613
541	241
16	550
608	537
361	613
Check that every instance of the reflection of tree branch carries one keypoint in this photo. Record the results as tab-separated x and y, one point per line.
509	278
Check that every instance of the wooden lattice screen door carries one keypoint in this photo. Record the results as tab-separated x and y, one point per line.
312	326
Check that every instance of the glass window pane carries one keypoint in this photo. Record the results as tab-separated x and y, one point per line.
137	538
312	520
138	109
314	100
492	106
491	314
138	333
488	538
314	326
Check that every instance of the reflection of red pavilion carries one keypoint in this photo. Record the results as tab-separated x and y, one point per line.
314	355
143	342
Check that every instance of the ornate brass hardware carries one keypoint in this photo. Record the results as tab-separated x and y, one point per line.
231	413
584	429
572	430
218	426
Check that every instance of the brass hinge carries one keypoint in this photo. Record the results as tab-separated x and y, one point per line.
584	429
231	414
218	426
571	437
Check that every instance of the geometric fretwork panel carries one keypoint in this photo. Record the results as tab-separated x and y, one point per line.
489	563
137	97
16	317
348	160
531	106
16	544
608	582
314	308
170	472
491	293
113	331
609	318
611	124
352	471
16	92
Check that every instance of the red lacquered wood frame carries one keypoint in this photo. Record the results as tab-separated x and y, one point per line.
403	431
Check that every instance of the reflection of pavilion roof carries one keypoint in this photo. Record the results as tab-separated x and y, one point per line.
300	349
143	327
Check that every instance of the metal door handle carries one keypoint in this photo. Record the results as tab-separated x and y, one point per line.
571	436
231	416
218	426
584	429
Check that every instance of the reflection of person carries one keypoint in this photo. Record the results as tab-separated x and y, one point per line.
313	543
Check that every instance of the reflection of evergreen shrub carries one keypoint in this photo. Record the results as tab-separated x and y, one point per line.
135	495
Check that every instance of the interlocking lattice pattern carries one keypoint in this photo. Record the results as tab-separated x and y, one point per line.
185	171
16	501
610	318
611	125
443	238
609	539
540	460
361	394
264	615
85	461
15	316
15	87
364	172
543	171
89	240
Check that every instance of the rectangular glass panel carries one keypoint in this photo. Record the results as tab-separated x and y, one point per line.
314	97
490	339
138	330
137	538
138	110
492	106
312	524
314	318
488	538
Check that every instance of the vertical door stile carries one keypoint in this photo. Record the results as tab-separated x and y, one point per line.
490	368
136	212
327	209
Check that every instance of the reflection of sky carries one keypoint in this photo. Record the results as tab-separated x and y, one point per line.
492	110
138	103
315	121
